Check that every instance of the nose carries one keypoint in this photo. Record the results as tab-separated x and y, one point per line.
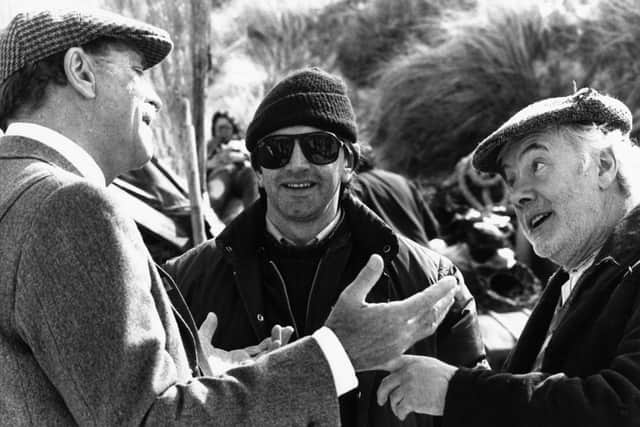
521	193
297	160
152	97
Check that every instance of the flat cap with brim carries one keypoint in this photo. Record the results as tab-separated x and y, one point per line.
32	36
585	106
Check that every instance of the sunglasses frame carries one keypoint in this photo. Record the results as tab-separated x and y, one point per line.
298	137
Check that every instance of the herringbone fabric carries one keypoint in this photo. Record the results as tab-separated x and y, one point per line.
33	36
585	106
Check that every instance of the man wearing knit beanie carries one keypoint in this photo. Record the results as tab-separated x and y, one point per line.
286	259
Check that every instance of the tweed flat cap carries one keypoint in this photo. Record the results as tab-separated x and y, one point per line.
585	106
33	36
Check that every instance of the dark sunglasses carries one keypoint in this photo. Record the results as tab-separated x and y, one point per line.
320	148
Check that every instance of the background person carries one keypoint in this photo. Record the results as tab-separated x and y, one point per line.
231	183
395	199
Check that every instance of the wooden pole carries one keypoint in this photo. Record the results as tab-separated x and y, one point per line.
200	36
193	176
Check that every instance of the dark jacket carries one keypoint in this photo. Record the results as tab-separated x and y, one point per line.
226	277
398	202
591	368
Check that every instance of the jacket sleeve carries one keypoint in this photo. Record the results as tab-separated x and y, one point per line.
608	397
86	307
459	339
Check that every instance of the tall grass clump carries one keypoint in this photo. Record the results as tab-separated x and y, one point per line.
436	102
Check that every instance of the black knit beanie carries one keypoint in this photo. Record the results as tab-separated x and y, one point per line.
307	97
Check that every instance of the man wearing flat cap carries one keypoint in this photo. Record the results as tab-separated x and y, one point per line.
286	258
90	334
573	178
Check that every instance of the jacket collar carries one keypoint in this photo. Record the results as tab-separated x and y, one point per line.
244	234
623	246
68	148
13	147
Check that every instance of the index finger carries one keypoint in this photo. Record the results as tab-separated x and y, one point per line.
287	331
387	385
441	292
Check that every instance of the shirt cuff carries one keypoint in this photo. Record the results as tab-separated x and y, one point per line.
344	376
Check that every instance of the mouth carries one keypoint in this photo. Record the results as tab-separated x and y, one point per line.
537	220
298	185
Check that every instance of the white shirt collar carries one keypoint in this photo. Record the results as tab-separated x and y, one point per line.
574	275
277	234
75	154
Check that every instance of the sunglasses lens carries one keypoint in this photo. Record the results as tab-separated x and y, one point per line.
320	148
275	151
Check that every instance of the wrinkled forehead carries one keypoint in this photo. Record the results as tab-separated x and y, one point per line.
515	150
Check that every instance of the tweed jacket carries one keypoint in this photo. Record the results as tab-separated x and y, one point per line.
227	276
90	335
590	374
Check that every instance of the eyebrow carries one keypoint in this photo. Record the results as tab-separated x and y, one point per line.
530	147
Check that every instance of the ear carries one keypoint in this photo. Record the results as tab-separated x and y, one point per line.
79	69
607	168
259	178
349	165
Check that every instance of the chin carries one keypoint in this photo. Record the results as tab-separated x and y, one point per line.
541	250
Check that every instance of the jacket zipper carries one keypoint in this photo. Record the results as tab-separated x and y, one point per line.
286	297
313	285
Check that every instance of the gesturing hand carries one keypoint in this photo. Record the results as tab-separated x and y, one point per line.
280	336
374	334
416	384
221	361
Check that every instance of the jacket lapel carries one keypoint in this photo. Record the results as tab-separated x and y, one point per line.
587	303
524	354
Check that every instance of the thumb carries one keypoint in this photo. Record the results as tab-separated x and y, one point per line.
208	327
368	276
